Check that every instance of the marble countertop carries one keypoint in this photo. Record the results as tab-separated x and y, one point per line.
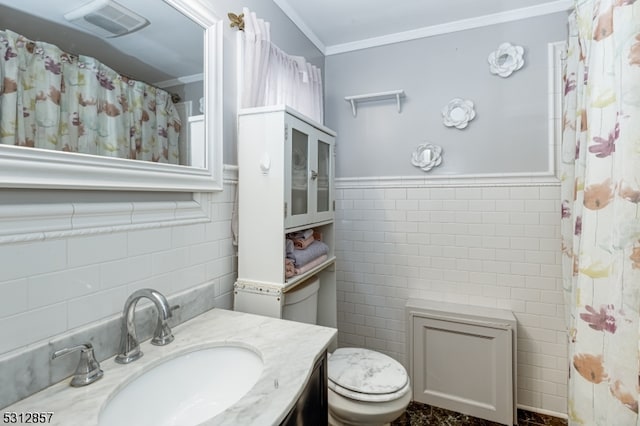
288	350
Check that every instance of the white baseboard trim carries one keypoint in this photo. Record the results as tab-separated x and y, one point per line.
543	411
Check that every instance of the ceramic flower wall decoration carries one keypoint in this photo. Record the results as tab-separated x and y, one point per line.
427	156
458	113
507	59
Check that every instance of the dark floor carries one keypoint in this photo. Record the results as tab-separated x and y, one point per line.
418	414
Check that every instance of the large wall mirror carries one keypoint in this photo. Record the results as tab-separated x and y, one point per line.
84	106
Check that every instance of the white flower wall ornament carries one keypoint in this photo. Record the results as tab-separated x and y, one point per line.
427	156
458	113
507	59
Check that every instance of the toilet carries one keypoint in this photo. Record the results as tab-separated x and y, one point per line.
365	387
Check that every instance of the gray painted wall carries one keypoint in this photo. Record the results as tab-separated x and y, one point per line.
509	133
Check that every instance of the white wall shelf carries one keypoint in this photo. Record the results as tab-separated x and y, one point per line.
354	99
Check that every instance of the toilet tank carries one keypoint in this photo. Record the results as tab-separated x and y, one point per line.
301	302
463	358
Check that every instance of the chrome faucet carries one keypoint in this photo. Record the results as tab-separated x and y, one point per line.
129	345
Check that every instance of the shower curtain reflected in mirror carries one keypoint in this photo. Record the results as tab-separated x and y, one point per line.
51	99
600	211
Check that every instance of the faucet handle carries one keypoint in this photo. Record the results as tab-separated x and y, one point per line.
163	334
88	370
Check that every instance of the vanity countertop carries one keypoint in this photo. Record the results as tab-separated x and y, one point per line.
288	350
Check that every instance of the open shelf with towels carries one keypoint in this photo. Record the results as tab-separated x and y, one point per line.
392	94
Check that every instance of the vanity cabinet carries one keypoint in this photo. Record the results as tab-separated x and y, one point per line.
286	184
312	408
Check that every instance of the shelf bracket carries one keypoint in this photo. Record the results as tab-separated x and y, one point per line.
398	102
353	107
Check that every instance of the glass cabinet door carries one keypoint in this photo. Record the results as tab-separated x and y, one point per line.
299	172
309	174
323	203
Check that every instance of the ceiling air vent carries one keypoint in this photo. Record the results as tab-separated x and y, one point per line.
106	18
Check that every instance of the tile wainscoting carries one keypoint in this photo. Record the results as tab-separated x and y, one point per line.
487	241
31	369
65	277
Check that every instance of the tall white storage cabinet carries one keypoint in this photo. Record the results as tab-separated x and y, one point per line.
286	184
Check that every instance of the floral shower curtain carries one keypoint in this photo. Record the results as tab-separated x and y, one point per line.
53	100
600	211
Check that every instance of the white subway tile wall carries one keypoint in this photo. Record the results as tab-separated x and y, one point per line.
51	286
495	246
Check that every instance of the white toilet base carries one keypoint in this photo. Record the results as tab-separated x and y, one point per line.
334	422
349	412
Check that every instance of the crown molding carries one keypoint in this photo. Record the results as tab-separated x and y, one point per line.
301	24
449	27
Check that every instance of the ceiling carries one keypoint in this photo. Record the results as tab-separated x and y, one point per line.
171	46
337	26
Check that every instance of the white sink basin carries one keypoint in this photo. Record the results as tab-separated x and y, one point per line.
186	390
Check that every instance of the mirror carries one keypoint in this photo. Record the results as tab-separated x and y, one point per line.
178	53
458	113
506	59
427	156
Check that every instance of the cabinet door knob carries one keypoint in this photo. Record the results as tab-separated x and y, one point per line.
314	174
265	163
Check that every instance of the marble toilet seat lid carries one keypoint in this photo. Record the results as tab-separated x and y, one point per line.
366	375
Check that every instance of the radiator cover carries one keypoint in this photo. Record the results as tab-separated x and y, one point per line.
463	358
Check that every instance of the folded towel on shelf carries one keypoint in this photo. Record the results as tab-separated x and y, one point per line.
288	249
289	268
300	234
302	243
309	266
312	252
301	239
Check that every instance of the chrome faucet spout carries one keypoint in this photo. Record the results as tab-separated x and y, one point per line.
129	345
